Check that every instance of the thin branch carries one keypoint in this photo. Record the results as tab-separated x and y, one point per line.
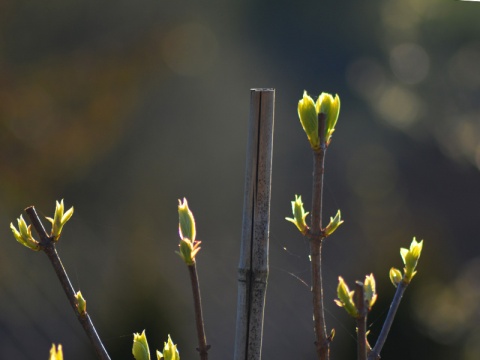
197	300
375	354
316	236
48	246
359	299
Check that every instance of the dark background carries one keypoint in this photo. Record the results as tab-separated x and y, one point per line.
123	107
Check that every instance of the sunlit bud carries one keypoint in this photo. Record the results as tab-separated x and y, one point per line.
299	215
332	335
81	303
189	247
410	258
24	234
56	354
334	224
330	106
170	351
59	219
186	225
188	250
345	298
140	347
309	120
369	291
395	276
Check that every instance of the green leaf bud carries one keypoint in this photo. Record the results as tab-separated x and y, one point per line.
369	291
56	354
395	276
332	335
330	106
189	247
60	218
410	258
334	223
188	250
186	224
345	298
24	234
299	215
309	120
170	351
140	349
81	303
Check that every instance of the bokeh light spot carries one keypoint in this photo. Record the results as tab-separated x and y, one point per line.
448	310
399	107
410	63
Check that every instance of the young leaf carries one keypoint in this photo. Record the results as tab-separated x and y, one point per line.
24	234
170	351
60	218
299	215
140	346
56	354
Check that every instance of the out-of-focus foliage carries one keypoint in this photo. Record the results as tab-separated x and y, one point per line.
424	78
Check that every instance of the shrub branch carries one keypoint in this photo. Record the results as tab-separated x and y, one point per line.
375	354
316	236
360	304
48	246
202	339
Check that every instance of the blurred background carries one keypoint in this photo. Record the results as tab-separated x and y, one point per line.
123	107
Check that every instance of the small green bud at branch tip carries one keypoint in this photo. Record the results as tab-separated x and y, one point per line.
329	106
24	234
186	226
395	276
369	290
410	259
189	247
60	218
140	348
56	353
170	351
308	112
309	120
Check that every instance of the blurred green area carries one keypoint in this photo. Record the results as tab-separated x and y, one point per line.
123	107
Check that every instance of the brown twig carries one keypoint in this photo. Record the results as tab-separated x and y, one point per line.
48	246
316	236
375	353
360	304
197	300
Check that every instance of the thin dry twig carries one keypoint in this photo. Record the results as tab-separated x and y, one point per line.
48	246
202	338
360	304
375	353
316	236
